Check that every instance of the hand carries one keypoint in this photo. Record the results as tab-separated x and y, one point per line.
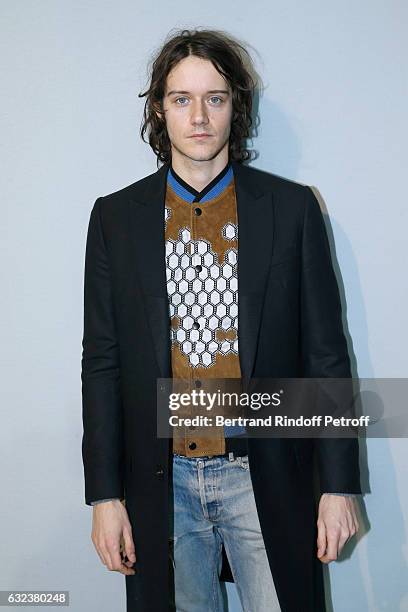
336	523
112	534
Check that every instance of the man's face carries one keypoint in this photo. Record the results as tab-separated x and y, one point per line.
197	100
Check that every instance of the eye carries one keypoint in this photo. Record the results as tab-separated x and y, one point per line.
217	98
181	98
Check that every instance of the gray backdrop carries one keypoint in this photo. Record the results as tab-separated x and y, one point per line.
333	116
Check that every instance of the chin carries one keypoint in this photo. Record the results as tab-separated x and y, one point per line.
200	155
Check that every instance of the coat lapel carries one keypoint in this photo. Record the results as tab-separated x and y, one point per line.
255	236
146	220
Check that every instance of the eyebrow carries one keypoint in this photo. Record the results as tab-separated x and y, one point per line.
223	91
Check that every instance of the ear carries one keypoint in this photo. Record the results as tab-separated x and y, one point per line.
159	115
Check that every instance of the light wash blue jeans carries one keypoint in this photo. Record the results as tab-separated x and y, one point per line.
213	504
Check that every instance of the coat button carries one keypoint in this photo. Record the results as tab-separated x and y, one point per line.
192	445
196	325
197	383
159	471
198	268
198	211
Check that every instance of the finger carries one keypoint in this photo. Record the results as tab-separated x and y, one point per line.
355	520
352	522
116	561
112	552
127	568
332	545
123	555
126	561
106	555
101	556
321	538
129	545
96	544
115	555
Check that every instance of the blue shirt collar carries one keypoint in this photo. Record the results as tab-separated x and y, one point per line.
212	190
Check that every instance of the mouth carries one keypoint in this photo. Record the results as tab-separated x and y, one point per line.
200	136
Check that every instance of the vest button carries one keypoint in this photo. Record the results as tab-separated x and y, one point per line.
198	268
192	445
198	211
196	325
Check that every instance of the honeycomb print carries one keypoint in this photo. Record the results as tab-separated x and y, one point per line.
208	297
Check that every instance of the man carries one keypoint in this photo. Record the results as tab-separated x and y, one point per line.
238	510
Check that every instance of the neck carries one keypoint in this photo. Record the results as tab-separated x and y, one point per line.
198	174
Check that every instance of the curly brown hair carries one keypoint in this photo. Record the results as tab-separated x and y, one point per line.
232	61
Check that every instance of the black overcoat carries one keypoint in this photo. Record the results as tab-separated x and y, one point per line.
290	325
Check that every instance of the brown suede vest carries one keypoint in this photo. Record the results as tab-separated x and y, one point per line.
202	285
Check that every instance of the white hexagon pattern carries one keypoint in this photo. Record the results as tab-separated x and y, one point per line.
209	296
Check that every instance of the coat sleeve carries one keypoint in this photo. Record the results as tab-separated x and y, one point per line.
102	445
324	346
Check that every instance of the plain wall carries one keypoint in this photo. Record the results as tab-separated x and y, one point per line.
333	115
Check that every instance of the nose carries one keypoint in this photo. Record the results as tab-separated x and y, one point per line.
199	113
